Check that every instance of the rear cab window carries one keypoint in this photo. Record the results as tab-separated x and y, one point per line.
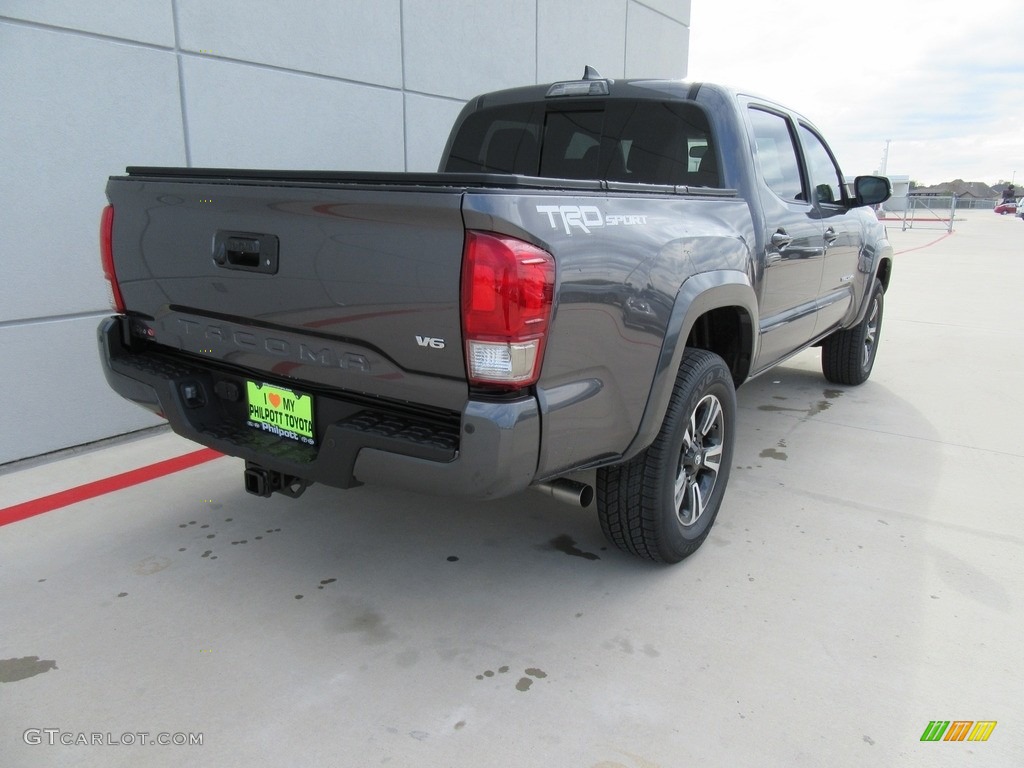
633	140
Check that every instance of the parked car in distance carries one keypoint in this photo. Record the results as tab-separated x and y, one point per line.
1010	206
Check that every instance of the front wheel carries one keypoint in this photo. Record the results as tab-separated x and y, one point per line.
661	504
847	357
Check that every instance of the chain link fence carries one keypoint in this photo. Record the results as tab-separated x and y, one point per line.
930	212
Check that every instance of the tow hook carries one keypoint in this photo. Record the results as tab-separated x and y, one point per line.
260	481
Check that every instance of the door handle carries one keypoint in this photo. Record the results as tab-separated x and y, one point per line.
830	236
781	240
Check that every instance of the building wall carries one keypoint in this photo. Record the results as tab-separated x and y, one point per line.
91	86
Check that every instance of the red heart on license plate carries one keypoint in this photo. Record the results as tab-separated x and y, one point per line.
275	399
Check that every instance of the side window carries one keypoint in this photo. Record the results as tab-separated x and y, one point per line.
777	154
696	150
825	176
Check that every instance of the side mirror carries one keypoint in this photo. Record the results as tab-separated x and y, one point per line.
871	190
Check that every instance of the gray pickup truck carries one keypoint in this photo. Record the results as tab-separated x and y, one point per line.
594	269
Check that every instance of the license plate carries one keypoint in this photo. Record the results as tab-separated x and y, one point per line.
280	411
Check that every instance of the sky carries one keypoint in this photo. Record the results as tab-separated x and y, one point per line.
942	80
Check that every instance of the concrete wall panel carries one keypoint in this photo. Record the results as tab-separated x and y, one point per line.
562	52
674	9
354	39
428	122
242	116
656	46
147	21
104	105
461	48
60	397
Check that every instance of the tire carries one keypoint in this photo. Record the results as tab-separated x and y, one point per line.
847	357
661	504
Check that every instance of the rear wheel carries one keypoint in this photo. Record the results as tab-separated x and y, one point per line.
847	357
661	504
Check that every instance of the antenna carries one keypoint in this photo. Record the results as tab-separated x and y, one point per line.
589	73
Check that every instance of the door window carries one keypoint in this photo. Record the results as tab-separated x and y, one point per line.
776	154
826	179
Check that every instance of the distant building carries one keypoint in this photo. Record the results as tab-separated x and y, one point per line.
900	190
971	190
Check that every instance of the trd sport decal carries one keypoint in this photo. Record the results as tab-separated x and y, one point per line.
585	217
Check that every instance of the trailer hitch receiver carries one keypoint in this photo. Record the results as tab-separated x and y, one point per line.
261	481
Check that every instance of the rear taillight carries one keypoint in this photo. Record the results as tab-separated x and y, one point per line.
107	259
507	290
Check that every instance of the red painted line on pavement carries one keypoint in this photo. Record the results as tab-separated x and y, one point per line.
926	245
106	485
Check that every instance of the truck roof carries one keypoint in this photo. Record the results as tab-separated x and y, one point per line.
660	89
631	88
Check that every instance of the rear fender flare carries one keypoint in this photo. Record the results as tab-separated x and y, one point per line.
698	295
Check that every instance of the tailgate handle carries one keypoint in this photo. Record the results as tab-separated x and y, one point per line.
246	251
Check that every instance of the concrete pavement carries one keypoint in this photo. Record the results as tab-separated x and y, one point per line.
863	579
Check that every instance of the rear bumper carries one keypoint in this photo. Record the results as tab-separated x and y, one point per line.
488	451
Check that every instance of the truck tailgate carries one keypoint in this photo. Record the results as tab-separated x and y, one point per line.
351	287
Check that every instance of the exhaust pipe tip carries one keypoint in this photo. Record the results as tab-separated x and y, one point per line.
567	491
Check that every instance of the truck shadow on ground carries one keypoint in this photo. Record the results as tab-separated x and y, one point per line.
474	562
